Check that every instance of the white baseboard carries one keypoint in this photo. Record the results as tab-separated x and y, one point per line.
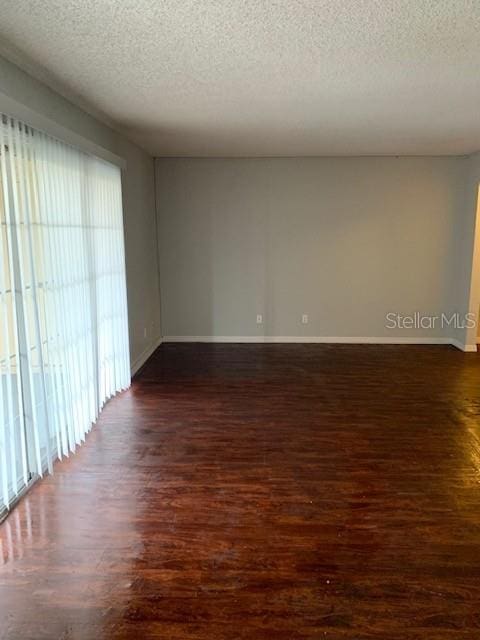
321	340
468	348
144	356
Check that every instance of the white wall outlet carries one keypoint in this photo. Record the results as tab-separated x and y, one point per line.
305	318
144	332
259	318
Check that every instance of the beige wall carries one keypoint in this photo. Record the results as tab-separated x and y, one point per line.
138	196
344	240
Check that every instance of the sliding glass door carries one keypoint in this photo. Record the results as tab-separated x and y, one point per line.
63	309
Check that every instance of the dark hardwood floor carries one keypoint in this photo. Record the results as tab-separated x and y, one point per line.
262	491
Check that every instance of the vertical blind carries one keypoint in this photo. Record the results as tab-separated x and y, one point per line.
63	308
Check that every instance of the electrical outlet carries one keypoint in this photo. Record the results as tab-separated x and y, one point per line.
305	319
144	332
259	318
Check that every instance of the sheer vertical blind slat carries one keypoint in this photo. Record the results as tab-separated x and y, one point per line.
63	307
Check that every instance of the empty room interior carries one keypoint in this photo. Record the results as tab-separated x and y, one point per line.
239	309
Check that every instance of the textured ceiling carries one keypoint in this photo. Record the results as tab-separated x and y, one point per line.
266	77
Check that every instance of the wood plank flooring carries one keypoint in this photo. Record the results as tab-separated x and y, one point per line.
261	491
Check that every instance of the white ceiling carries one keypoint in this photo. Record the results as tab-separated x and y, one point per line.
266	77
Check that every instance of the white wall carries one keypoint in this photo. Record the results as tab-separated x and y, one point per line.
138	197
345	240
467	289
